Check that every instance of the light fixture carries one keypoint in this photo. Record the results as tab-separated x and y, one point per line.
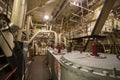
46	17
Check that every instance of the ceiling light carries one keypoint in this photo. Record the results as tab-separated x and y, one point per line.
46	17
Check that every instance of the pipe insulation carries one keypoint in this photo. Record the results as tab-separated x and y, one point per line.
18	12
9	37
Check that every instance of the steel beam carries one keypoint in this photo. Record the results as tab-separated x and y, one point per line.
108	5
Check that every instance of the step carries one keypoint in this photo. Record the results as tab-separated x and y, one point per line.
8	76
2	66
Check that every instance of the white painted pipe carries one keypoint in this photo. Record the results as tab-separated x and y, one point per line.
51	27
18	15
60	37
56	38
64	38
29	19
3	44
65	41
18	12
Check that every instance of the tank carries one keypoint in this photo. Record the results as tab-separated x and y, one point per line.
77	66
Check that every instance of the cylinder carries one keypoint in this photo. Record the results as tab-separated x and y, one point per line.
3	44
18	12
29	18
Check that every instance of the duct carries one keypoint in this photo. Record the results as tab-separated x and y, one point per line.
108	5
18	12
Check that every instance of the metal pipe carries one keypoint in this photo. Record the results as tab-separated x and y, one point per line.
73	20
39	24
62	22
76	15
51	27
62	6
108	5
33	10
59	37
82	7
29	18
22	14
40	31
18	12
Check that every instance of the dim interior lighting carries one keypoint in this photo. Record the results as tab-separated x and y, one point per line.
46	17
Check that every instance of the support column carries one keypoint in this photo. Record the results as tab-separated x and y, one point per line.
29	18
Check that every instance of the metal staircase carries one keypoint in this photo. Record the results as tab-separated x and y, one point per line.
112	43
108	5
116	44
7	72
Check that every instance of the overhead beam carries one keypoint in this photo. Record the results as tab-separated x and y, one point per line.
30	11
60	9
